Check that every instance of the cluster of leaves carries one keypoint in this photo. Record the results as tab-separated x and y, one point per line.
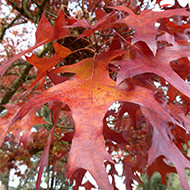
124	53
154	182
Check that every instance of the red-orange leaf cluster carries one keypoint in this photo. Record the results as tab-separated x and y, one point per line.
147	123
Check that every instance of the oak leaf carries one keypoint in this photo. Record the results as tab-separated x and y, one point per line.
162	145
24	126
89	95
146	62
144	24
46	64
45	33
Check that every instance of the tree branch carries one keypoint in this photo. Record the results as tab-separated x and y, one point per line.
27	12
19	81
24	10
5	26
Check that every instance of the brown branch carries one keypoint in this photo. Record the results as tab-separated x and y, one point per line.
42	5
24	10
27	12
16	7
5	26
19	81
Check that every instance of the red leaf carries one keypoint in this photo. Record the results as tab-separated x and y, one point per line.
86	97
89	95
112	135
56	108
162	145
78	176
99	14
145	62
25	125
88	185
162	167
104	22
144	23
129	172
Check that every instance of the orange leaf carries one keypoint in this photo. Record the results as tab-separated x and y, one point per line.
45	64
45	33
